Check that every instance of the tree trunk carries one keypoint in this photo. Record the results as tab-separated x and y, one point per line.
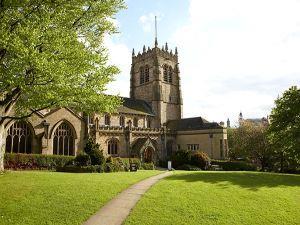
2	148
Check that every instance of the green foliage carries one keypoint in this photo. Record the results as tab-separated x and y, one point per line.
185	157
120	164
82	160
93	150
234	165
181	157
52	54
81	169
148	166
35	161
284	130
200	159
189	167
249	141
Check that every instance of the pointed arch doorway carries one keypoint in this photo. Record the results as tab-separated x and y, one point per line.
148	155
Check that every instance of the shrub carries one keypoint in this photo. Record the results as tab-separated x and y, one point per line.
136	161
234	165
200	159
163	163
82	160
93	150
81	169
120	164
35	161
189	167
148	166
97	157
181	157
109	167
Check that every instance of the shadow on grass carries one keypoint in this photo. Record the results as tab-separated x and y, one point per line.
249	180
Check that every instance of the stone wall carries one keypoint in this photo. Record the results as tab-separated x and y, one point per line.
42	141
207	143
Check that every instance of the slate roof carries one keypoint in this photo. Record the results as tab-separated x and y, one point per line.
195	123
136	106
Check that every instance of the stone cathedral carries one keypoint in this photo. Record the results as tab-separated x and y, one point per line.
148	125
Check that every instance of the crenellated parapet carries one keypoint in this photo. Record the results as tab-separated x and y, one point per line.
164	52
132	129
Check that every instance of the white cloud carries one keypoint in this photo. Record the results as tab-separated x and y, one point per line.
238	55
147	21
119	55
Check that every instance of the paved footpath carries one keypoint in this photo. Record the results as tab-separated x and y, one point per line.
117	209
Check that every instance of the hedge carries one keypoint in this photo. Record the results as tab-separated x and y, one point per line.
80	169
234	165
148	166
35	161
62	163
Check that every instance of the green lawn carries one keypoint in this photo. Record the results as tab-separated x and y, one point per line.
59	198
221	198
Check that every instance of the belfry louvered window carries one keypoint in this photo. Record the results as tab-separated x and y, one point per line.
19	138
142	75
63	140
165	73
146	73
170	75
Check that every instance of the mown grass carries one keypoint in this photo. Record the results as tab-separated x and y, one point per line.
222	198
59	198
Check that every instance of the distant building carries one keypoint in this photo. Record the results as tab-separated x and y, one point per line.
255	121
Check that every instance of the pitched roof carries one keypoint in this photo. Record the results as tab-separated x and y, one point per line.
136	106
195	123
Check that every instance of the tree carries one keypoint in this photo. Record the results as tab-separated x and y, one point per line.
52	55
249	141
93	150
284	131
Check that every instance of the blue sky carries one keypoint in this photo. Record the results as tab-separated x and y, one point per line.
235	55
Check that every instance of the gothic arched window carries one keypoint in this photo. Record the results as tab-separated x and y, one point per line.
146	73
19	138
122	121
63	140
107	120
142	75
165	73
112	147
135	122
170	74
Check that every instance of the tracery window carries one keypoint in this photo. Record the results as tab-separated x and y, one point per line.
112	147
146	73
170	75
142	75
165	73
63	140
107	120
122	121
19	138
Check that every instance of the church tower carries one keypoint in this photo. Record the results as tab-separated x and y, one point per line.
155	78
